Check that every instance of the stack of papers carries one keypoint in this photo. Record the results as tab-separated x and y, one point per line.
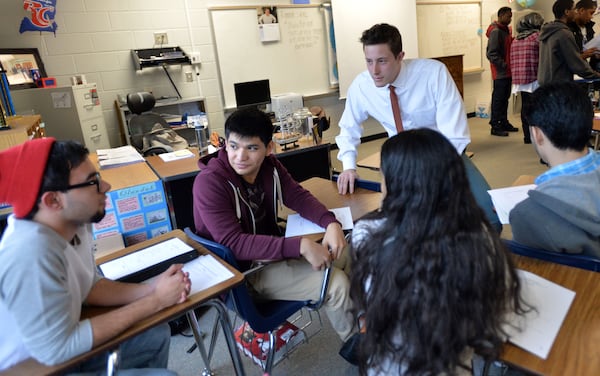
175	155
505	199
537	330
120	156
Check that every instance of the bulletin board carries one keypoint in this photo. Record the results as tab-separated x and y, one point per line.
297	62
446	28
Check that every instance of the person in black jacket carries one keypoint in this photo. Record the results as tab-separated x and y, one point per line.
498	53
583	30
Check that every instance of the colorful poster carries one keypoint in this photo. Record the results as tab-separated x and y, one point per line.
139	212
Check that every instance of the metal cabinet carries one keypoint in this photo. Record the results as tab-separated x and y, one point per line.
69	113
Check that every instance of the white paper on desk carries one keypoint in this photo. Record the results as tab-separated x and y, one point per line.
505	199
175	155
205	271
143	258
120	156
298	225
540	327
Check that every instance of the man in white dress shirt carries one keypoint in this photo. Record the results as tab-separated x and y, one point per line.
427	98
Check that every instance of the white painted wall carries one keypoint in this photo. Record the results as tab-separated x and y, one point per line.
95	38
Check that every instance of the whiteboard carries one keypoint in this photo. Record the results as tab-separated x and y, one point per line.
352	17
297	63
448	28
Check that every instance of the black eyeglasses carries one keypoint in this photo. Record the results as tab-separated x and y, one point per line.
95	182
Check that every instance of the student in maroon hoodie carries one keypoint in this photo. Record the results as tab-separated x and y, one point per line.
498	53
237	195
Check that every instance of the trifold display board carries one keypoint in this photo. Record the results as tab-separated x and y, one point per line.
448	28
297	62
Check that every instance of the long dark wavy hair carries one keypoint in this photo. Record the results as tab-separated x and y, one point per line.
433	278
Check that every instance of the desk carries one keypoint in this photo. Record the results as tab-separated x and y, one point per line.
23	129
32	367
361	202
372	162
576	349
136	205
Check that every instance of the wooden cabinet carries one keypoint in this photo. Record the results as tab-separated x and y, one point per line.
22	129
455	67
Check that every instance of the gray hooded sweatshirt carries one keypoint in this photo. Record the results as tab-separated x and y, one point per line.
559	55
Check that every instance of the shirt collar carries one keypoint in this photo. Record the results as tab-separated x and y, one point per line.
576	167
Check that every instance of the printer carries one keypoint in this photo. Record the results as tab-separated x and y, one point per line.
285	104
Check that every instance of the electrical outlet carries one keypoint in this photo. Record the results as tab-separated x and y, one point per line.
189	77
195	57
161	38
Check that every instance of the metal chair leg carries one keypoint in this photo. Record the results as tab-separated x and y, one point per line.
228	334
191	316
271	354
112	364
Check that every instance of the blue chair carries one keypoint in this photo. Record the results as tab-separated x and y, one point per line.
575	260
361	183
263	316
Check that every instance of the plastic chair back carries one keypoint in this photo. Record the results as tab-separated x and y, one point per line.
142	122
576	260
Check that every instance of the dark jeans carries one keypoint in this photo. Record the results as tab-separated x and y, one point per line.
525	99
500	96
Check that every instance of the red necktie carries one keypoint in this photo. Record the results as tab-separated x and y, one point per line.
396	109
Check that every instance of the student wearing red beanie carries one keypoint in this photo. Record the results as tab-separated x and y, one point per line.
47	268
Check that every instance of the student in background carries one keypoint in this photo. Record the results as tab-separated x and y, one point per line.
423	92
524	59
47	269
583	30
236	197
498	53
562	214
429	273
560	58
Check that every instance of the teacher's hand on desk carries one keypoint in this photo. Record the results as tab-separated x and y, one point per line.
346	181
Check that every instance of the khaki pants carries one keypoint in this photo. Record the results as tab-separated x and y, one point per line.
294	279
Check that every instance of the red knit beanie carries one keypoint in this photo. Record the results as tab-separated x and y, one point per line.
21	172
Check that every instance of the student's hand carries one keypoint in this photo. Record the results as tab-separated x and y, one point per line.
172	286
316	254
346	180
334	239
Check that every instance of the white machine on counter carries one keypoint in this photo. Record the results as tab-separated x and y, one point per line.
285	104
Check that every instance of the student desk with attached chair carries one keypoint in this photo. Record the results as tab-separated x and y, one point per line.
204	297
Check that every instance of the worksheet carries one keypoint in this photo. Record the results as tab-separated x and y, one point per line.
505	199
298	225
537	330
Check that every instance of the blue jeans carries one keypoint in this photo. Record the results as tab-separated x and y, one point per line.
479	186
146	354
